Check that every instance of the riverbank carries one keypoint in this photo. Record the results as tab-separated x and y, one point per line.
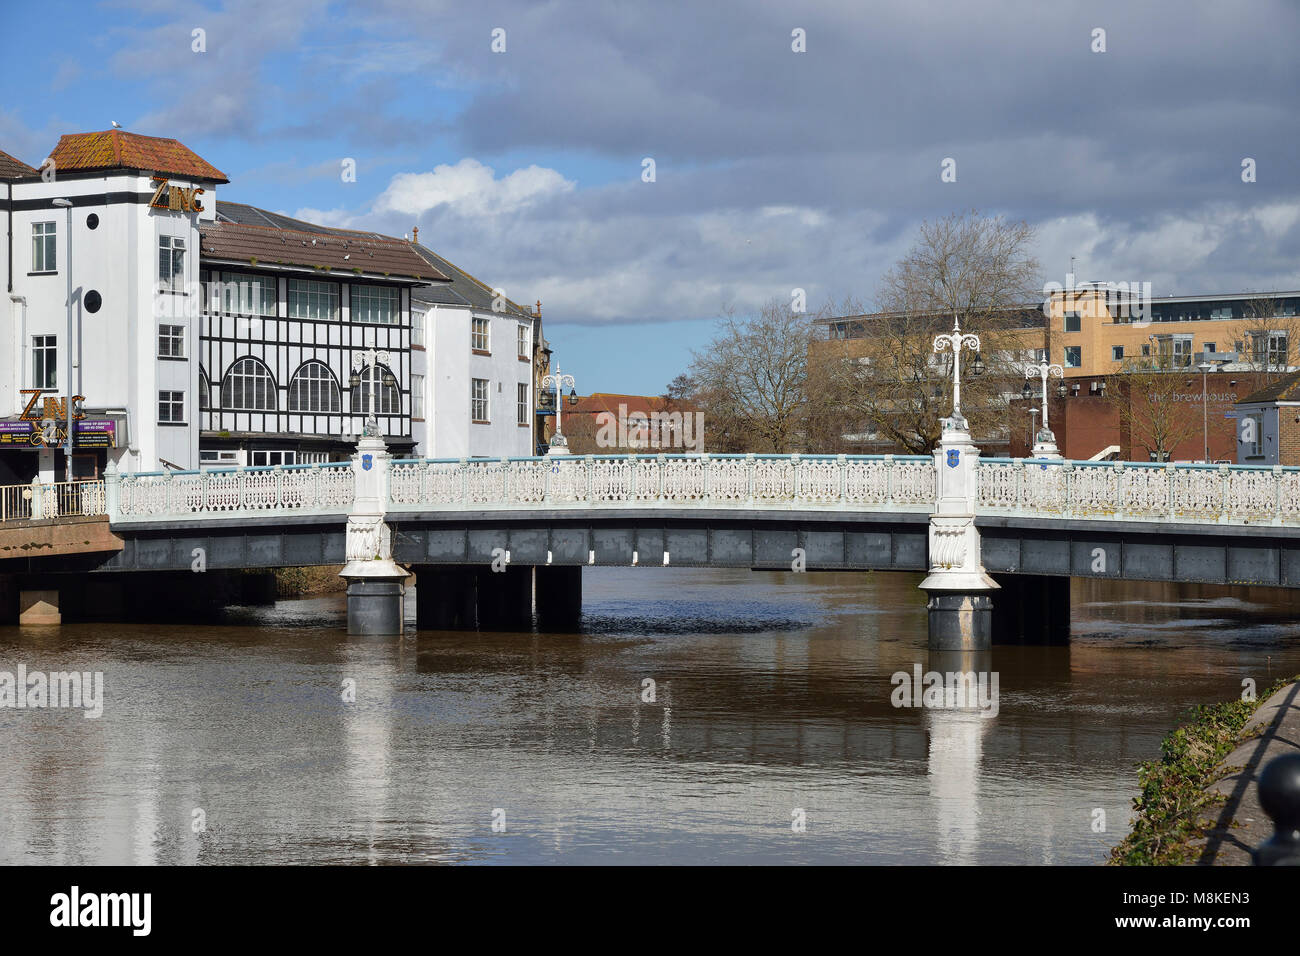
303	582
1199	802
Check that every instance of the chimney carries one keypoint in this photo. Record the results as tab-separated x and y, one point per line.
415	231
538	313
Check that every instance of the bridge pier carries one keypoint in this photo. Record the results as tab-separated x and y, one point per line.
446	598
559	598
1032	609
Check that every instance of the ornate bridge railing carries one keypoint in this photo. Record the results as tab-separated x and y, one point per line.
62	499
1136	491
762	482
231	492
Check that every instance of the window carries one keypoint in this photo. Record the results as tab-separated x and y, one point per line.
248	386
171	407
1239	346
1255	432
523	342
1072	322
1073	356
417	396
1176	350
1117	353
1276	351
313	389
1210	347
1146	350
1040	355
264	459
204	398
45	361
218	456
44	244
387	397
376	304
478	400
521	404
171	341
417	327
244	294
171	264
309	299
479	336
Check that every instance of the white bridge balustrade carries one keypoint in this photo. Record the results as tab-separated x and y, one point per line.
1051	489
742	482
320	489
1137	491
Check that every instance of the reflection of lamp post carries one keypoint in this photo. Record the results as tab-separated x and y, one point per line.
1045	441
68	389
558	381
372	359
956	340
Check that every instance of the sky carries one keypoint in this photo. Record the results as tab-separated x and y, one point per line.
521	136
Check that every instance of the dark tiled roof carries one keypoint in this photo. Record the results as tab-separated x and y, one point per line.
118	149
272	246
476	294
1285	389
11	168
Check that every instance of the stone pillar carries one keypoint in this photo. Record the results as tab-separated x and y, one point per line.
961	609
38	607
375	582
558	593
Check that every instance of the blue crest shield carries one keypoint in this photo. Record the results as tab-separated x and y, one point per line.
367	462
954	456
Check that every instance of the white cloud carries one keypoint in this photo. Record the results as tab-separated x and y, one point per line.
470	188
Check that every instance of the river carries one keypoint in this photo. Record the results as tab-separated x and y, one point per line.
767	736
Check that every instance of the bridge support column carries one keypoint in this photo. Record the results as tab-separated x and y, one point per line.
559	598
1032	609
961	609
505	598
375	583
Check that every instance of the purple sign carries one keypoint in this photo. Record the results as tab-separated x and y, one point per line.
87	433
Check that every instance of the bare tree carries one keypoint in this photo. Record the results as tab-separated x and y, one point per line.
888	379
1146	398
1269	339
750	380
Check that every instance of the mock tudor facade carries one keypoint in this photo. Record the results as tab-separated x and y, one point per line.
209	333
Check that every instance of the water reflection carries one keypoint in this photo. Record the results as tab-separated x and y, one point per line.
772	694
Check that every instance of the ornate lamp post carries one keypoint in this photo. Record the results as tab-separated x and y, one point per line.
961	611
559	444
956	340
370	358
1045	443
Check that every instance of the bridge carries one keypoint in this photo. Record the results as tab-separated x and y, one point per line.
480	533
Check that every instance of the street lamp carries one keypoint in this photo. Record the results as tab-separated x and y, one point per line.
1033	424
1045	443
956	340
371	358
1205	407
67	266
558	381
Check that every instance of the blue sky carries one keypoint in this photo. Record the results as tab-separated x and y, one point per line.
775	169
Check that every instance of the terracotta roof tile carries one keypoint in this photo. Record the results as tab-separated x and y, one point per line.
118	149
11	168
270	246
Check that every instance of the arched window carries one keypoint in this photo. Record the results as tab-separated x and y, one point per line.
388	400
249	387
313	389
203	389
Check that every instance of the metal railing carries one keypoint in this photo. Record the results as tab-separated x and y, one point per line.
233	492
1138	491
706	481
62	499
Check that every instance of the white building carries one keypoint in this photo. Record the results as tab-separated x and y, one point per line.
211	333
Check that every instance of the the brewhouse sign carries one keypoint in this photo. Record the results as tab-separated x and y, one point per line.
167	196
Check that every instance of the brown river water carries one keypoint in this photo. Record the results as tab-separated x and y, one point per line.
770	738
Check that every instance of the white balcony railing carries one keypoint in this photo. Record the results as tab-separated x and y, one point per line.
63	499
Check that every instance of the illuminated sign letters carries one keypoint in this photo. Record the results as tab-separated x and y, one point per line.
175	198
